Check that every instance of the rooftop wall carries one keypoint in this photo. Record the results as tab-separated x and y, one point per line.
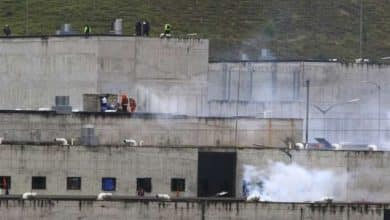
134	209
152	70
33	71
277	89
164	75
152	129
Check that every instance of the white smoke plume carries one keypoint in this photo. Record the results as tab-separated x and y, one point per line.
292	183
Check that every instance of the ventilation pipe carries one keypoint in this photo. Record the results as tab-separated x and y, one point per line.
67	28
103	196
130	142
300	146
29	195
44	109
163	196
63	141
372	147
118	26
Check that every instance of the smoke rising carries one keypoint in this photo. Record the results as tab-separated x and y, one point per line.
292	183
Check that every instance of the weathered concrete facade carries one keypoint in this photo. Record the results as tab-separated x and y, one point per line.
135	209
152	129
174	76
35	70
126	164
367	178
157	72
277	89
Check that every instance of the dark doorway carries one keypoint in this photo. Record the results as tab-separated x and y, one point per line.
386	214
216	173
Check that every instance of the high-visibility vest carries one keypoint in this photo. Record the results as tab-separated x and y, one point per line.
87	29
167	27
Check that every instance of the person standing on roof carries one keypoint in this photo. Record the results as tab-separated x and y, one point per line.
138	28
87	30
145	28
124	102
167	31
7	30
103	104
132	104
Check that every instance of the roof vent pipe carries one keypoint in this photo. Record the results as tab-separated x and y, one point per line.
29	195
67	28
63	141
103	196
300	146
163	196
118	26
372	147
130	142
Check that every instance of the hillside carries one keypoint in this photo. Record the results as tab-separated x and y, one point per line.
302	29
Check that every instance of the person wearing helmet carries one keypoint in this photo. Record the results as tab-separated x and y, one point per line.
145	28
87	30
167	31
7	30
138	28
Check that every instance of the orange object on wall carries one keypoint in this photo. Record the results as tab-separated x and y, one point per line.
133	105
124	100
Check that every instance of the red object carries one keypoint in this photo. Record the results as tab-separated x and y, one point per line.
124	100
4	183
133	105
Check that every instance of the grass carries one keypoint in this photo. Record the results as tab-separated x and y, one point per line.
301	29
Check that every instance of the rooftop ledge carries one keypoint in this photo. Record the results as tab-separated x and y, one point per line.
124	198
137	115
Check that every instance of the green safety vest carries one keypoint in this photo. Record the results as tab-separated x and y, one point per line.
167	27
87	29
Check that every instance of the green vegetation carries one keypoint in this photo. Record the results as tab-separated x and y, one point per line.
301	29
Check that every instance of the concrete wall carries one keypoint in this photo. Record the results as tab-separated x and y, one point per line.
153	129
93	163
157	72
367	178
168	76
366	171
33	71
277	89
133	209
174	76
